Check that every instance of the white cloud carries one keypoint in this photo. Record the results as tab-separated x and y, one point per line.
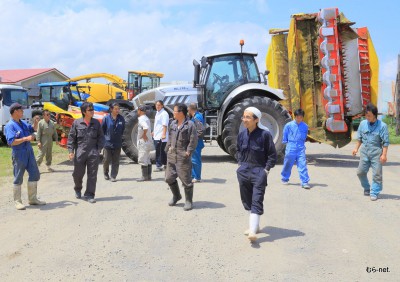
389	70
94	39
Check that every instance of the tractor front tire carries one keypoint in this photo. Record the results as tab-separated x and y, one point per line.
274	116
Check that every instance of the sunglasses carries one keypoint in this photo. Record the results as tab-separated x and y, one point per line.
90	110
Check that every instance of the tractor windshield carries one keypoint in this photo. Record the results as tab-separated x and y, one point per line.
59	95
224	74
11	96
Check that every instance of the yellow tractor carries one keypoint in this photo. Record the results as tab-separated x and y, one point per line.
117	90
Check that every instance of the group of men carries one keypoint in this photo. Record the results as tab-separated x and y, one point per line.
178	145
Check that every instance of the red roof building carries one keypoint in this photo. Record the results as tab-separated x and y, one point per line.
30	78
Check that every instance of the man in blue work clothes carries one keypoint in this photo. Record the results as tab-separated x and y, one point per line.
374	136
198	120
19	137
113	127
85	141
256	155
294	136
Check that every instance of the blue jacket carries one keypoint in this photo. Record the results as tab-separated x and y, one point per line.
256	148
295	135
113	130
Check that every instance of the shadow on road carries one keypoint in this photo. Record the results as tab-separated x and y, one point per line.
389	197
217	159
337	160
276	233
213	180
116	198
332	160
198	205
55	205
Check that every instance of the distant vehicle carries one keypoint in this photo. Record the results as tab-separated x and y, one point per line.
10	94
64	105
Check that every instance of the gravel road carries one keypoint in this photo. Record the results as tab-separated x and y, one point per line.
328	233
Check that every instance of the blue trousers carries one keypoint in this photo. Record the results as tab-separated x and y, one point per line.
292	156
368	160
252	182
196	160
22	160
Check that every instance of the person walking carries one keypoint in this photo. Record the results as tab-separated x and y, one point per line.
198	120
144	143
180	146
373	135
45	135
85	141
294	136
256	155
160	135
19	137
113	127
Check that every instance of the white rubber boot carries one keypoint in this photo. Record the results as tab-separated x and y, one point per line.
17	197
32	194
254	224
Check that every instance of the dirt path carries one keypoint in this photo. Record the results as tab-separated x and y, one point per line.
329	233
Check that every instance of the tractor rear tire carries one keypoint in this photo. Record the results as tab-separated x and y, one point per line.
274	116
129	137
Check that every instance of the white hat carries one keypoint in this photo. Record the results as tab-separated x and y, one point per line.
258	114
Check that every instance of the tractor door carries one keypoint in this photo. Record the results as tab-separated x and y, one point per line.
224	74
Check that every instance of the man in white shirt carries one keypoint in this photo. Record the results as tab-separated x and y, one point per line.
144	143
160	135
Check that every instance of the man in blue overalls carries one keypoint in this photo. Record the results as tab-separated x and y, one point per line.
198	120
256	155
19	137
294	136
374	136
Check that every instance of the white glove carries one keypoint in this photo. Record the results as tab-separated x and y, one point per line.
266	172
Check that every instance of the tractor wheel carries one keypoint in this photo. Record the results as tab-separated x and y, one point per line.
274	116
3	138
124	112
129	138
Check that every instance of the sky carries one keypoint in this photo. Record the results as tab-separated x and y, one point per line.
87	36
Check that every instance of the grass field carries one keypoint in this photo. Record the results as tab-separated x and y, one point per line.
59	155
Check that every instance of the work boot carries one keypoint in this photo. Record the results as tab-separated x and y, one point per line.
17	197
254	223
149	172
175	192
188	198
50	169
144	174
32	194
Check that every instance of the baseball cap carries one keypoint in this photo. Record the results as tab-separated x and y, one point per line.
15	106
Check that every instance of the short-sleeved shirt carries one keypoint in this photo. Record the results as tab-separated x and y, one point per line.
161	119
144	123
17	130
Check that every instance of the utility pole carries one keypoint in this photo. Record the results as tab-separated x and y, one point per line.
397	97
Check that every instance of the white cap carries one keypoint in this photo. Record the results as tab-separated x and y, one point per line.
258	114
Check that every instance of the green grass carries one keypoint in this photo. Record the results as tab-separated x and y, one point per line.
391	122
6	168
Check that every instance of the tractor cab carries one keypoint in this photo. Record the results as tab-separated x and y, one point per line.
64	95
140	81
219	75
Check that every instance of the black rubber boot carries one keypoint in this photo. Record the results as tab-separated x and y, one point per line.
149	172
144	174
176	194
189	198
